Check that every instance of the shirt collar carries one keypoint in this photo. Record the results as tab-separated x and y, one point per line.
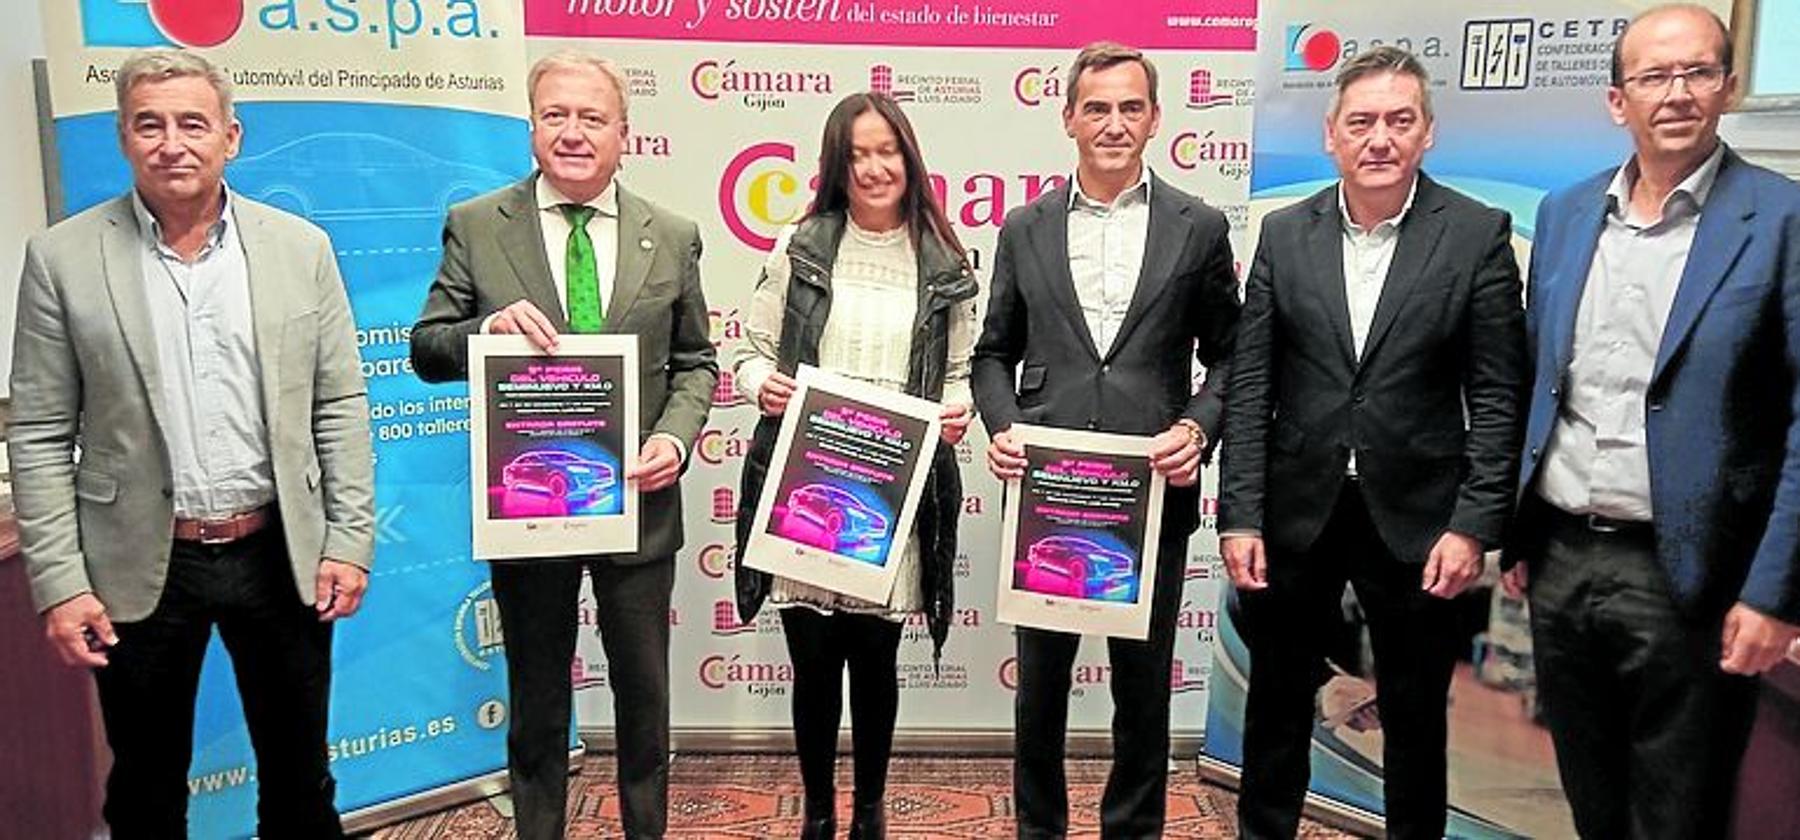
1388	223
1138	192
1692	190
550	198
152	229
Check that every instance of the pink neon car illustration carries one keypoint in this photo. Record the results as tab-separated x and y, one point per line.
563	475
1078	568
836	511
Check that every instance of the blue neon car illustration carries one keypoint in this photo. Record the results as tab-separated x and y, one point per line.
837	512
563	475
1078	568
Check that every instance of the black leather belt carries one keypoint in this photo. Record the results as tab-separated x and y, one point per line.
1594	523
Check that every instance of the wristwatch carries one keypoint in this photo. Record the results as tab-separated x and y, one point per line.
1195	433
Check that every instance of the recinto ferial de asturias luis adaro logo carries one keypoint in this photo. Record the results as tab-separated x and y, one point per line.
209	23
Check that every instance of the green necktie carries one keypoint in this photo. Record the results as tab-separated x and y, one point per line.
582	276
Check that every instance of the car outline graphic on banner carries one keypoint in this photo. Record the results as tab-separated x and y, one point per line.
563	475
1078	568
313	176
834	510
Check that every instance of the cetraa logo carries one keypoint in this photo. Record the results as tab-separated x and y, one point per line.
716	447
1310	48
761	190
1191	150
1201	93
478	635
1497	54
715	560
759	679
757	89
159	23
1033	85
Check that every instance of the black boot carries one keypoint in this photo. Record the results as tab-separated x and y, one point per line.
869	823
823	828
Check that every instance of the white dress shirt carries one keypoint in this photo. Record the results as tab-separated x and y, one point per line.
210	398
868	336
1368	254
1597	460
1106	254
603	229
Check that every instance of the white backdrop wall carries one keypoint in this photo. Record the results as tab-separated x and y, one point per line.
739	164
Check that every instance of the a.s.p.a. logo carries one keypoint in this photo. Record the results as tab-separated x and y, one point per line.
209	23
159	23
1311	47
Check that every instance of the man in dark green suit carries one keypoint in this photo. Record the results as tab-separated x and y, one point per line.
568	250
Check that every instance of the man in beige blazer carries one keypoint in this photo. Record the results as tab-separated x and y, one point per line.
569	250
190	449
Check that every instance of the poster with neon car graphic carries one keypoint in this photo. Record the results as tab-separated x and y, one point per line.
550	440
848	468
1079	534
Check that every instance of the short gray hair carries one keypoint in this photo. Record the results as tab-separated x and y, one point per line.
158	63
575	60
1378	61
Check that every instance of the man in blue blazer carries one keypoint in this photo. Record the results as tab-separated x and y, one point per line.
1660	514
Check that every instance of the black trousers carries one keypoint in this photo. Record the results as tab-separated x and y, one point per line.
820	646
281	653
1648	730
1133	803
1287	628
538	601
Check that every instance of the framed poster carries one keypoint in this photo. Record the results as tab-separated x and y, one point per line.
551	439
1078	533
844	483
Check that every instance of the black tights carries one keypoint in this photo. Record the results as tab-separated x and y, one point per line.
819	646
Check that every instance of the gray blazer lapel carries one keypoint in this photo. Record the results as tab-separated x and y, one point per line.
1419	235
269	304
522	240
1164	245
122	262
1325	249
636	250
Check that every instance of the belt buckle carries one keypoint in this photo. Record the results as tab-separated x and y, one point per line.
216	531
1601	525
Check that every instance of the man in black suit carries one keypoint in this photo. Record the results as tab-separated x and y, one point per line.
1101	290
1372	436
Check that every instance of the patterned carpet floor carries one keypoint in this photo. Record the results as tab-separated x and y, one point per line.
738	797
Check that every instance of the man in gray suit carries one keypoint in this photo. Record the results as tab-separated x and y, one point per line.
190	449
569	250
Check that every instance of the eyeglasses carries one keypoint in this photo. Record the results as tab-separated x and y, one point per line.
1655	84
